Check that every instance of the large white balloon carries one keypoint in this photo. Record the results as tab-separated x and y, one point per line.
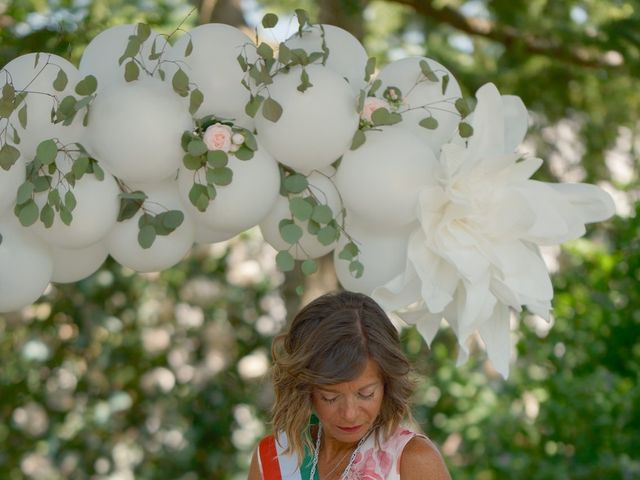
100	57
95	215
317	126
347	56
10	180
167	250
135	130
383	252
72	265
26	266
425	97
214	68
308	246
241	204
37	78
380	180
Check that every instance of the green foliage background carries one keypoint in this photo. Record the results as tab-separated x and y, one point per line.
146	376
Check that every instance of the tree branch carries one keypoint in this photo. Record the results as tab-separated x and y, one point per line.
510	37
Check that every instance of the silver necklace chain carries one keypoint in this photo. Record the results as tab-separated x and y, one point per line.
347	469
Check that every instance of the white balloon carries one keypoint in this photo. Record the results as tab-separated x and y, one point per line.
10	180
72	265
241	204
308	246
135	130
347	56
100	57
37	78
214	68
426	97
167	250
383	252
317	126
95	215
25	266
380	180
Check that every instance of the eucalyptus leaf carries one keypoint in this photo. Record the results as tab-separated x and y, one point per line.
349	252
243	153
271	110
53	198
270	20
172	219
180	83
199	197
250	140
295	183
27	213
189	48
8	156
285	261
195	100
375	86
221	176
46	152
429	123
465	130
356	268
322	214
80	166
143	31
87	86
197	147
98	172
300	208
70	201
290	232
243	62
16	137
358	139
146	236
427	72
370	68
445	83
217	158
61	80
284	53
131	71
309	267
41	183
24	193
462	107
252	106
131	50
265	51
327	235
47	215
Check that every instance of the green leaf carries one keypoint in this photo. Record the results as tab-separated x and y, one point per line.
427	72
381	116
349	252
243	153
41	183
270	20
295	183
313	227
265	51
80	166
250	140
370	68
16	137
243	62
304	81
252	106
290	232
128	208
356	268
172	219
180	83
327	235
27	213
53	198
8	156
462	107
285	261
47	215
217	158
309	267
60	83
445	83
143	31
87	86
429	123
303	19
374	87
300	208
131	71
70	200
191	162
146	236
271	110
358	139
197	147
220	176
189	48
322	214
8	92
199	197
98	172
195	100
46	152
465	130
284	53
25	192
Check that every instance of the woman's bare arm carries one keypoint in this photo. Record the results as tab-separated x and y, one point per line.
254	469
421	460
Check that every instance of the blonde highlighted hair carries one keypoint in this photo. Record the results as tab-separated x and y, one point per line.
329	342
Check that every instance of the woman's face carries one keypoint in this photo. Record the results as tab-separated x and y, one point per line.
348	410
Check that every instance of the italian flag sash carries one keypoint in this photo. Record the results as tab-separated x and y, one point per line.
275	465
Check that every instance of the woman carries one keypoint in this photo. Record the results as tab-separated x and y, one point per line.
342	390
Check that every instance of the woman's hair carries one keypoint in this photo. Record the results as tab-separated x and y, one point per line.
329	342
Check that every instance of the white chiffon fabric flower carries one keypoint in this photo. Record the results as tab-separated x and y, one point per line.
475	254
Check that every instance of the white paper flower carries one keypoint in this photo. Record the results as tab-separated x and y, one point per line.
476	252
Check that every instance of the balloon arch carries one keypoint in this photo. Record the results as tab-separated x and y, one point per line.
151	145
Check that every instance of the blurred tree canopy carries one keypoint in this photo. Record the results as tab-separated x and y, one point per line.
166	375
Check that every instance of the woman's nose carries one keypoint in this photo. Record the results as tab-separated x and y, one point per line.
350	409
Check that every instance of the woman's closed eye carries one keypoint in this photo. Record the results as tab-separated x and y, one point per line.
329	399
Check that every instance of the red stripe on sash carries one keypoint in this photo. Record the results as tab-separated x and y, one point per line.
269	459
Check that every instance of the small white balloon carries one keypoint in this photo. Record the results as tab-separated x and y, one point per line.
380	180
37	78
241	204
166	250
74	264
347	56
100	57
26	266
317	126
10	181
135	130
325	193
94	216
425	98
383	252
213	66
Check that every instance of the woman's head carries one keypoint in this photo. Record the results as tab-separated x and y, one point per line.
340	339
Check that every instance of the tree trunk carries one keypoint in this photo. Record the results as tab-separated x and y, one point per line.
221	11
347	14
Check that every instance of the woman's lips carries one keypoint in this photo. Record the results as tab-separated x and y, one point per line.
350	429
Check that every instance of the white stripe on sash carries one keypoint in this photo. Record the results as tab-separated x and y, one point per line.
288	463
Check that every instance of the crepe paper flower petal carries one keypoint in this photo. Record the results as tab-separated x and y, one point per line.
495	334
591	203
516	120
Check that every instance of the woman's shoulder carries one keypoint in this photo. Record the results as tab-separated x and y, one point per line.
421	459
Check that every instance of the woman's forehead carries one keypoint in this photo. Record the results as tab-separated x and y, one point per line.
370	375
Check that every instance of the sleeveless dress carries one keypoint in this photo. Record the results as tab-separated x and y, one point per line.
371	462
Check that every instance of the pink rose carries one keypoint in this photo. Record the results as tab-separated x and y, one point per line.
218	137
371	104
